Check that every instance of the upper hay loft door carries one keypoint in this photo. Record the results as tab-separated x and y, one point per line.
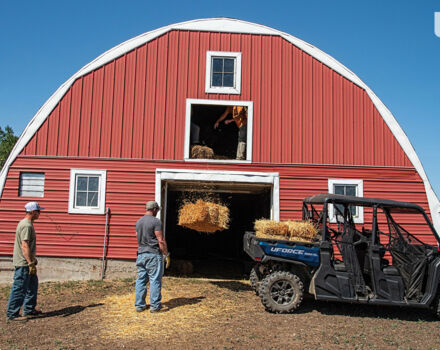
218	131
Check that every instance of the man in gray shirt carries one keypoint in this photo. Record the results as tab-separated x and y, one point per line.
152	249
25	287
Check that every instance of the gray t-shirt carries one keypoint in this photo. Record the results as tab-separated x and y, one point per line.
147	241
25	232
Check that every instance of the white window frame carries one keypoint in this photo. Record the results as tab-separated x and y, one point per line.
236	89
359	218
101	191
21	186
250	118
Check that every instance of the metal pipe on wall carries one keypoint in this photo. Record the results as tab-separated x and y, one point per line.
107	213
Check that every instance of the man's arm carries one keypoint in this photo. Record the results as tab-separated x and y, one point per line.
162	243
223	116
26	251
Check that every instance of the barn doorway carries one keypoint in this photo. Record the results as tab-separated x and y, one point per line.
218	254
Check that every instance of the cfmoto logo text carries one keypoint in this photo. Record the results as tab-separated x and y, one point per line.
437	23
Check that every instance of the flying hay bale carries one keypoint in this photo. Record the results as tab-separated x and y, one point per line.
204	216
299	231
202	152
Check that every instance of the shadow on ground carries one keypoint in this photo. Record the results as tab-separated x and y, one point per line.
177	302
67	311
369	311
235	286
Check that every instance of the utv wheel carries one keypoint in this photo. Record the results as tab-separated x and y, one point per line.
281	292
255	279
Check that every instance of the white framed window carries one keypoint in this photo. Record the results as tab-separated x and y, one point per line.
350	187
201	116
223	72
31	185
87	191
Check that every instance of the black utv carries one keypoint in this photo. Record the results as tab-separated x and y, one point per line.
382	261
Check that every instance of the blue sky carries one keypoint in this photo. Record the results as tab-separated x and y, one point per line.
390	45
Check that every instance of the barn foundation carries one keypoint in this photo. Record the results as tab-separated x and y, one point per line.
71	269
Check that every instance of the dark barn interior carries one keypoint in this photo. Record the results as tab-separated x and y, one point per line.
222	140
221	253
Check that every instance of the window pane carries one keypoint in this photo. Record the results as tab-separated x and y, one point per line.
217	65
81	199
93	183
228	80
229	65
350	190
353	210
217	79
81	183
341	209
339	189
92	199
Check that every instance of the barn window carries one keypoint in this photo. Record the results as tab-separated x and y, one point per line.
349	187
87	191
223	72
218	131
31	185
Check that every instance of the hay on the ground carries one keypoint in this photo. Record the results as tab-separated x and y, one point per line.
202	152
204	216
299	231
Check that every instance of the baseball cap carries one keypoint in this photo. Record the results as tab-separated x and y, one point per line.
31	206
152	205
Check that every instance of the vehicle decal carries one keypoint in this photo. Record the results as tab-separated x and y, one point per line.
310	256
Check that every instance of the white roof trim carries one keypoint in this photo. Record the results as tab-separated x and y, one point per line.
230	26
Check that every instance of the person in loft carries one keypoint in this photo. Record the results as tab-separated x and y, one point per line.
239	116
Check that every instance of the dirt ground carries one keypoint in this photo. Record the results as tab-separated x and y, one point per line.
206	314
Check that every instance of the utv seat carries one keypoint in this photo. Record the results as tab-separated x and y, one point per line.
391	271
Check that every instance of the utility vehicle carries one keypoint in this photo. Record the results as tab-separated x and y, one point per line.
381	261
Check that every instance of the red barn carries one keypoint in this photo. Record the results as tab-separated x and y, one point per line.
119	133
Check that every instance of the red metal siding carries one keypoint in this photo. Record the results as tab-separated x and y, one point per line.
303	111
133	109
131	183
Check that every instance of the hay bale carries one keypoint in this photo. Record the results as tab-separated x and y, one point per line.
271	228
302	229
298	231
202	152
204	216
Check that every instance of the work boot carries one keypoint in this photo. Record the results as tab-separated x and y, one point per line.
17	319
241	151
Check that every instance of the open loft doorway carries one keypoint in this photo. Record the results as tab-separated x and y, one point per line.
217	130
220	254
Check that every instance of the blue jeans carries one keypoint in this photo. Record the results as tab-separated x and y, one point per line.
149	267
23	293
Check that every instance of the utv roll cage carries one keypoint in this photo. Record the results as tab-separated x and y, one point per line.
409	254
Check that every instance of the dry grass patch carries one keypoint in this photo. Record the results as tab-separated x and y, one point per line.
193	309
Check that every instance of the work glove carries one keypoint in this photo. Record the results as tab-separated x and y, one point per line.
32	268
167	260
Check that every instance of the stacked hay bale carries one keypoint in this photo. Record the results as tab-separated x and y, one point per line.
202	152
204	216
299	231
